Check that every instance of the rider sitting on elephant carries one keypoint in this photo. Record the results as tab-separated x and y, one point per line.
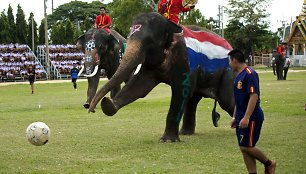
171	9
103	20
280	50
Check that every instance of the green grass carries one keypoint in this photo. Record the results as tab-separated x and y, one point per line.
129	141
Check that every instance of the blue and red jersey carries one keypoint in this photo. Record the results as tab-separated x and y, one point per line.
247	83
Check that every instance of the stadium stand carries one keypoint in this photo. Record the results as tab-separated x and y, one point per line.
15	60
62	58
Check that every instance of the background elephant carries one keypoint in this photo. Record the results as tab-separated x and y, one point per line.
102	51
279	64
150	44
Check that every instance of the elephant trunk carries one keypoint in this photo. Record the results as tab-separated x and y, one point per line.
133	56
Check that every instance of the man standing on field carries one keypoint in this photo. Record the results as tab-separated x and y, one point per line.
74	75
248	116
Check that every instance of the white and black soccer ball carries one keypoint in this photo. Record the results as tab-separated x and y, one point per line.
38	133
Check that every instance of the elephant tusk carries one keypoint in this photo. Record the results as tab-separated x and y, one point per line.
94	73
81	71
137	69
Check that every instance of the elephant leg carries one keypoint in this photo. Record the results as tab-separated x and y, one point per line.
189	119
93	83
180	95
285	73
137	87
277	71
280	71
225	96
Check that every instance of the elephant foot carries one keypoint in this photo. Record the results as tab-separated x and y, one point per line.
185	131
169	138
108	107
86	105
215	118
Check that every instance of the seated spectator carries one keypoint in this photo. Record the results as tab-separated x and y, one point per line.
14	58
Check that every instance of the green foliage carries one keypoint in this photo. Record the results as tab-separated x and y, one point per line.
128	142
75	11
63	33
54	34
86	24
69	31
195	17
123	12
4	28
21	26
41	31
77	34
12	26
29	34
248	28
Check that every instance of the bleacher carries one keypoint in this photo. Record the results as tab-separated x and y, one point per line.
15	60
61	59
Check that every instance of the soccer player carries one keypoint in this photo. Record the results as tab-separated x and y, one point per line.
248	116
74	76
103	20
32	77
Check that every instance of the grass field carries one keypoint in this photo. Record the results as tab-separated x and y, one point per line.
129	141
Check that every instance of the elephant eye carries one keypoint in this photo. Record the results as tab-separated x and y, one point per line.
90	45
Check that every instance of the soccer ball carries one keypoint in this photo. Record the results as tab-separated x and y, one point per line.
38	133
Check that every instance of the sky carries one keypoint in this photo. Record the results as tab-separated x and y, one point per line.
280	10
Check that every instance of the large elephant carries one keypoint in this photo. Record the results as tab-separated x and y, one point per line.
150	44
102	51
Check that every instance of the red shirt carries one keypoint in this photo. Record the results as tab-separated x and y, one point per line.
280	49
173	9
103	21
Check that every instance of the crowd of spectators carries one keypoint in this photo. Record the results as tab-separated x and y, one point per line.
64	56
15	60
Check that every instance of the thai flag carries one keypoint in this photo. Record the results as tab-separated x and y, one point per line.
207	50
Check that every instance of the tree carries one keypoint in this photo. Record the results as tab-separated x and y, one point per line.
77	34
123	12
29	35
69	30
195	17
21	26
75	11
247	26
61	33
4	26
152	4
12	25
54	34
86	24
41	31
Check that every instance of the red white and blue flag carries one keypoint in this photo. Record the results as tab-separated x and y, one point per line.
206	50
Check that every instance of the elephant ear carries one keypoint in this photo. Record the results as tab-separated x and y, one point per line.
171	29
111	41
80	43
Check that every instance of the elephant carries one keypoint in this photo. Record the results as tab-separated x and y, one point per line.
162	59
102	51
279	63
